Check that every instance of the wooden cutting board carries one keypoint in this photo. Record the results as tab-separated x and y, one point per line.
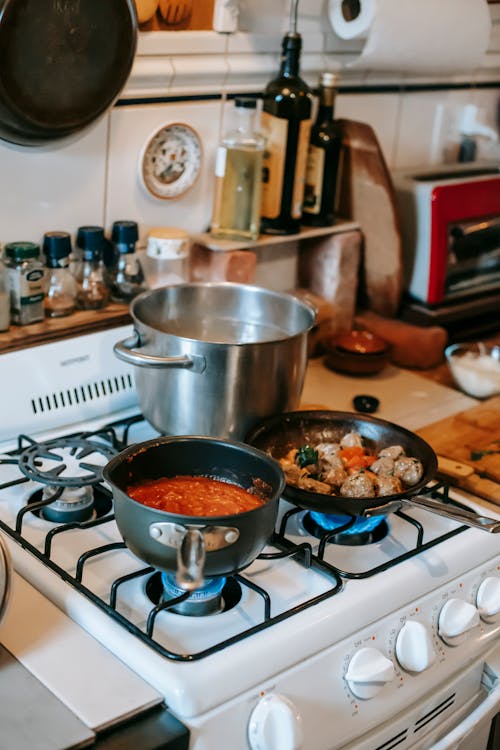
471	438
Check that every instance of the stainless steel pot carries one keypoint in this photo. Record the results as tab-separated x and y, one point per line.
215	358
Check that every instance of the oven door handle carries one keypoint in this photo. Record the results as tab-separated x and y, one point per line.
485	712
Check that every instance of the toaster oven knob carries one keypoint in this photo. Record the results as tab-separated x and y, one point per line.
368	671
456	621
414	650
275	724
488	599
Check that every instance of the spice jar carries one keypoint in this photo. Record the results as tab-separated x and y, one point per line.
167	257
125	277
60	298
26	282
93	292
4	298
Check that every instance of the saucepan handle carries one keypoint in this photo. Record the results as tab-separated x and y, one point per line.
125	350
191	560
467	517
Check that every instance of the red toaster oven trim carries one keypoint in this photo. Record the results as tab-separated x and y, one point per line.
456	203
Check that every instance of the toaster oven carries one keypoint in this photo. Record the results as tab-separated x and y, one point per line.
450	223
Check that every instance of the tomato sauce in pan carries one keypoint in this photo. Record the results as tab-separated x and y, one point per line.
194	496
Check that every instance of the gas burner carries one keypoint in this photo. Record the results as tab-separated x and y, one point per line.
217	595
347	530
71	505
61	462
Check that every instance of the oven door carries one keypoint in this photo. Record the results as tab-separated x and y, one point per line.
479	730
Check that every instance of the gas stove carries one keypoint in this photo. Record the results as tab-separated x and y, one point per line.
344	633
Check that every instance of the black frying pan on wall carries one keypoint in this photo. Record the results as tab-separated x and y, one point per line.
278	434
62	64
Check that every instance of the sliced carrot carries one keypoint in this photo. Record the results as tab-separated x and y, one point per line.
355	450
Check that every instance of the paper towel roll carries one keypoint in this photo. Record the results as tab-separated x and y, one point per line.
419	36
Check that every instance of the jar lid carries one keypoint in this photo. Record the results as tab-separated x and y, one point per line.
91	238
329	79
125	232
22	250
56	244
169	233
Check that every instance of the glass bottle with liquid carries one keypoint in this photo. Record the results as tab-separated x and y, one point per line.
60	297
323	158
286	124
93	292
238	177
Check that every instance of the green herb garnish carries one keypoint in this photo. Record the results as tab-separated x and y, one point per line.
306	455
478	455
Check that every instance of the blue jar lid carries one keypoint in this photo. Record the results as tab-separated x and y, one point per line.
57	244
90	238
125	232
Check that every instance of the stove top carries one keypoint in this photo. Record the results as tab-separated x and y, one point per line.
313	595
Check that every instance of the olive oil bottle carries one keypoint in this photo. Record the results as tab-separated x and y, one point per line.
286	124
323	158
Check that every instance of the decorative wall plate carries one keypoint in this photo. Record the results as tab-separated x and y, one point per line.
171	160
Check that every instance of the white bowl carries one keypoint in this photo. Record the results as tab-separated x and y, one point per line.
475	368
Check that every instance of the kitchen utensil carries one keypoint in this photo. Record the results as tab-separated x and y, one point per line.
358	352
277	435
61	65
475	368
464	476
215	358
5	577
191	546
367	196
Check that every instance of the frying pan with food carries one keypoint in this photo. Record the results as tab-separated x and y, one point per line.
280	433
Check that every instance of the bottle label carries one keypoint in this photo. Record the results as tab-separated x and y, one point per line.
300	168
165	248
314	180
273	165
220	161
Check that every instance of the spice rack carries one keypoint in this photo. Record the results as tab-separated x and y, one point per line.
77	324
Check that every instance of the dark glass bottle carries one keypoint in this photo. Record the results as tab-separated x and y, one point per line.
286	123
323	158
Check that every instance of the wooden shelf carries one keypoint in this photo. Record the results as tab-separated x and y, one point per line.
206	240
51	329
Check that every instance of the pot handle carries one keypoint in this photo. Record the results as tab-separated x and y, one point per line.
190	560
467	517
124	351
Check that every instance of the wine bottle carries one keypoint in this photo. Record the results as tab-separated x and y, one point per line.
286	123
323	158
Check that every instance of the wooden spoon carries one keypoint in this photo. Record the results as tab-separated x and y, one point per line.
175	12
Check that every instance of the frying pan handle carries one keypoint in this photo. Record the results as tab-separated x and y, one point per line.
190	560
124	350
467	517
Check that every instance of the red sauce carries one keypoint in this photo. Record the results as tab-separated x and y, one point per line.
194	496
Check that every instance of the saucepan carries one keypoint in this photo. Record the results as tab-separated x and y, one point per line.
62	64
195	547
280	433
5	577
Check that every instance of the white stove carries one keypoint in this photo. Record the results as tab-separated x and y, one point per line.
320	644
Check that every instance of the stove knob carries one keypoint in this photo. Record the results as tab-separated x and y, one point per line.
456	621
488	599
369	670
414	650
275	724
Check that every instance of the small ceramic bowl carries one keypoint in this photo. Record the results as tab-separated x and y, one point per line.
358	352
475	368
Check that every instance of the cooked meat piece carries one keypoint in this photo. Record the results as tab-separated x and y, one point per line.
334	476
328	451
351	440
388	485
383	465
392	451
409	470
358	485
306	483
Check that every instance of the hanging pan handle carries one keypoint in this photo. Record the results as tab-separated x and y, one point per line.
467	517
125	350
